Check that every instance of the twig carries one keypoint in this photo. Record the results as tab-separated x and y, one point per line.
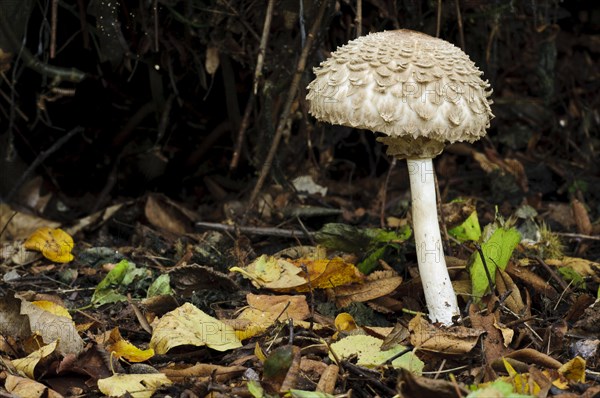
53	72
288	104
553	274
40	159
53	23
85	35
487	271
358	18
439	19
264	231
577	236
262	50
461	32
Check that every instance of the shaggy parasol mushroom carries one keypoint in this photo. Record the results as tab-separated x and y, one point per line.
420	92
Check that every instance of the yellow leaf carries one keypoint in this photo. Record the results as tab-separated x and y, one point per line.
122	348
325	273
187	325
137	385
522	383
54	244
52	308
27	365
263	310
299	275
574	370
344	322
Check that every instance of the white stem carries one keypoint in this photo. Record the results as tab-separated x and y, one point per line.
439	293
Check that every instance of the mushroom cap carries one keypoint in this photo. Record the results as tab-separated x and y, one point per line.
419	91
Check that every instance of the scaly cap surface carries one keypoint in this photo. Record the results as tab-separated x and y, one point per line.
418	90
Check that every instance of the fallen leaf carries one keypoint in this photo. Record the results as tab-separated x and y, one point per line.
264	310
137	385
187	325
121	348
451	340
54	244
378	284
202	372
51	327
369	353
27	365
27	388
497	251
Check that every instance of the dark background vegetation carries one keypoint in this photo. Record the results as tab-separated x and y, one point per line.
166	89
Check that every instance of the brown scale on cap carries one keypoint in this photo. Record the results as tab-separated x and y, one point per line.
420	91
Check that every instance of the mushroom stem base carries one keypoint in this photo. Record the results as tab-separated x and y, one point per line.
439	293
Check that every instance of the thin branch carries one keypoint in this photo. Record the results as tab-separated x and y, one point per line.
40	159
461	32
293	90
439	19
260	231
53	23
257	75
358	18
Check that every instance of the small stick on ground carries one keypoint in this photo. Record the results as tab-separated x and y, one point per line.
282	233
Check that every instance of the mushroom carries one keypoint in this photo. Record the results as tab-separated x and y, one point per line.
420	92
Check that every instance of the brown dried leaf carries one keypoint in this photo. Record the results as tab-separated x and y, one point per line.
377	284
504	284
582	219
530	278
451	340
202	372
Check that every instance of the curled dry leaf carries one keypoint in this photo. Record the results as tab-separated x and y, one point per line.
377	284
27	365
24	387
582	218
202	372
450	340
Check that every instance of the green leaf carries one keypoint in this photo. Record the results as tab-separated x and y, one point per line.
255	389
497	251
121	275
468	230
371	261
497	389
160	286
571	275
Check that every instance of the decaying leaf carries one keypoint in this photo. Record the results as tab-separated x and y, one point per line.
27	365
24	387
451	340
136	385
202	372
299	275
585	268
369	353
51	327
54	244
121	348
187	325
264	310
377	284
